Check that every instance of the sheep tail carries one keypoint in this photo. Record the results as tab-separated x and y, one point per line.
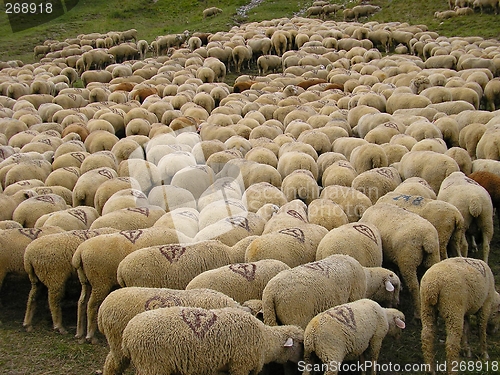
475	207
269	310
77	264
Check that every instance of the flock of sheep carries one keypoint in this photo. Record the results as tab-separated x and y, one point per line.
273	217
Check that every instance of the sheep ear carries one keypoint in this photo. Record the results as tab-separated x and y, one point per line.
288	343
399	323
388	286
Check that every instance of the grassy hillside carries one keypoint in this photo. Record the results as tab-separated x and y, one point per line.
152	18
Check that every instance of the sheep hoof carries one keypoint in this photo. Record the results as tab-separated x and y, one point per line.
92	340
28	328
61	330
81	340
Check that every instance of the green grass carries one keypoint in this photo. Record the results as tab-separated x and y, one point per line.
166	16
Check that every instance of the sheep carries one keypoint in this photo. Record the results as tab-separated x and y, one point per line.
129	218
353	202
268	63
377	182
300	184
320	285
47	261
30	210
485	4
361	241
244	344
88	183
123	304
240	281
489	181
408	241
454	289
299	244
429	165
326	213
347	331
210	12
96	269
474	203
340	172
415	186
70	219
491	94
171	265
444	216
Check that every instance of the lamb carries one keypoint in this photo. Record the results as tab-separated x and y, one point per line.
361	241
444	216
456	288
123	304
408	241
47	261
96	269
317	286
475	205
236	341
212	11
347	331
240	281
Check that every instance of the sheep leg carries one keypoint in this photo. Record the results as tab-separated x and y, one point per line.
96	297
410	278
483	316
373	351
454	328
31	306
427	335
465	335
55	295
114	365
82	310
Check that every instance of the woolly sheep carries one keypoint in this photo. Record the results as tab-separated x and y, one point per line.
489	181
361	241
30	210
123	304
329	282
240	281
416	186
474	203
299	244
429	165
47	261
376	182
340	172
352	201
129	218
88	183
300	184
454	289
326	213
408	241
487	146
249	343
78	218
259	194
444	216
171	266
13	243
96	269
347	331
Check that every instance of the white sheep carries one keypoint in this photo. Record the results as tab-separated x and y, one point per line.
361	241
408	241
444	216
296	295
171	265
47	261
96	269
352	201
234	339
347	331
429	165
454	289
376	182
474	203
240	281
123	304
